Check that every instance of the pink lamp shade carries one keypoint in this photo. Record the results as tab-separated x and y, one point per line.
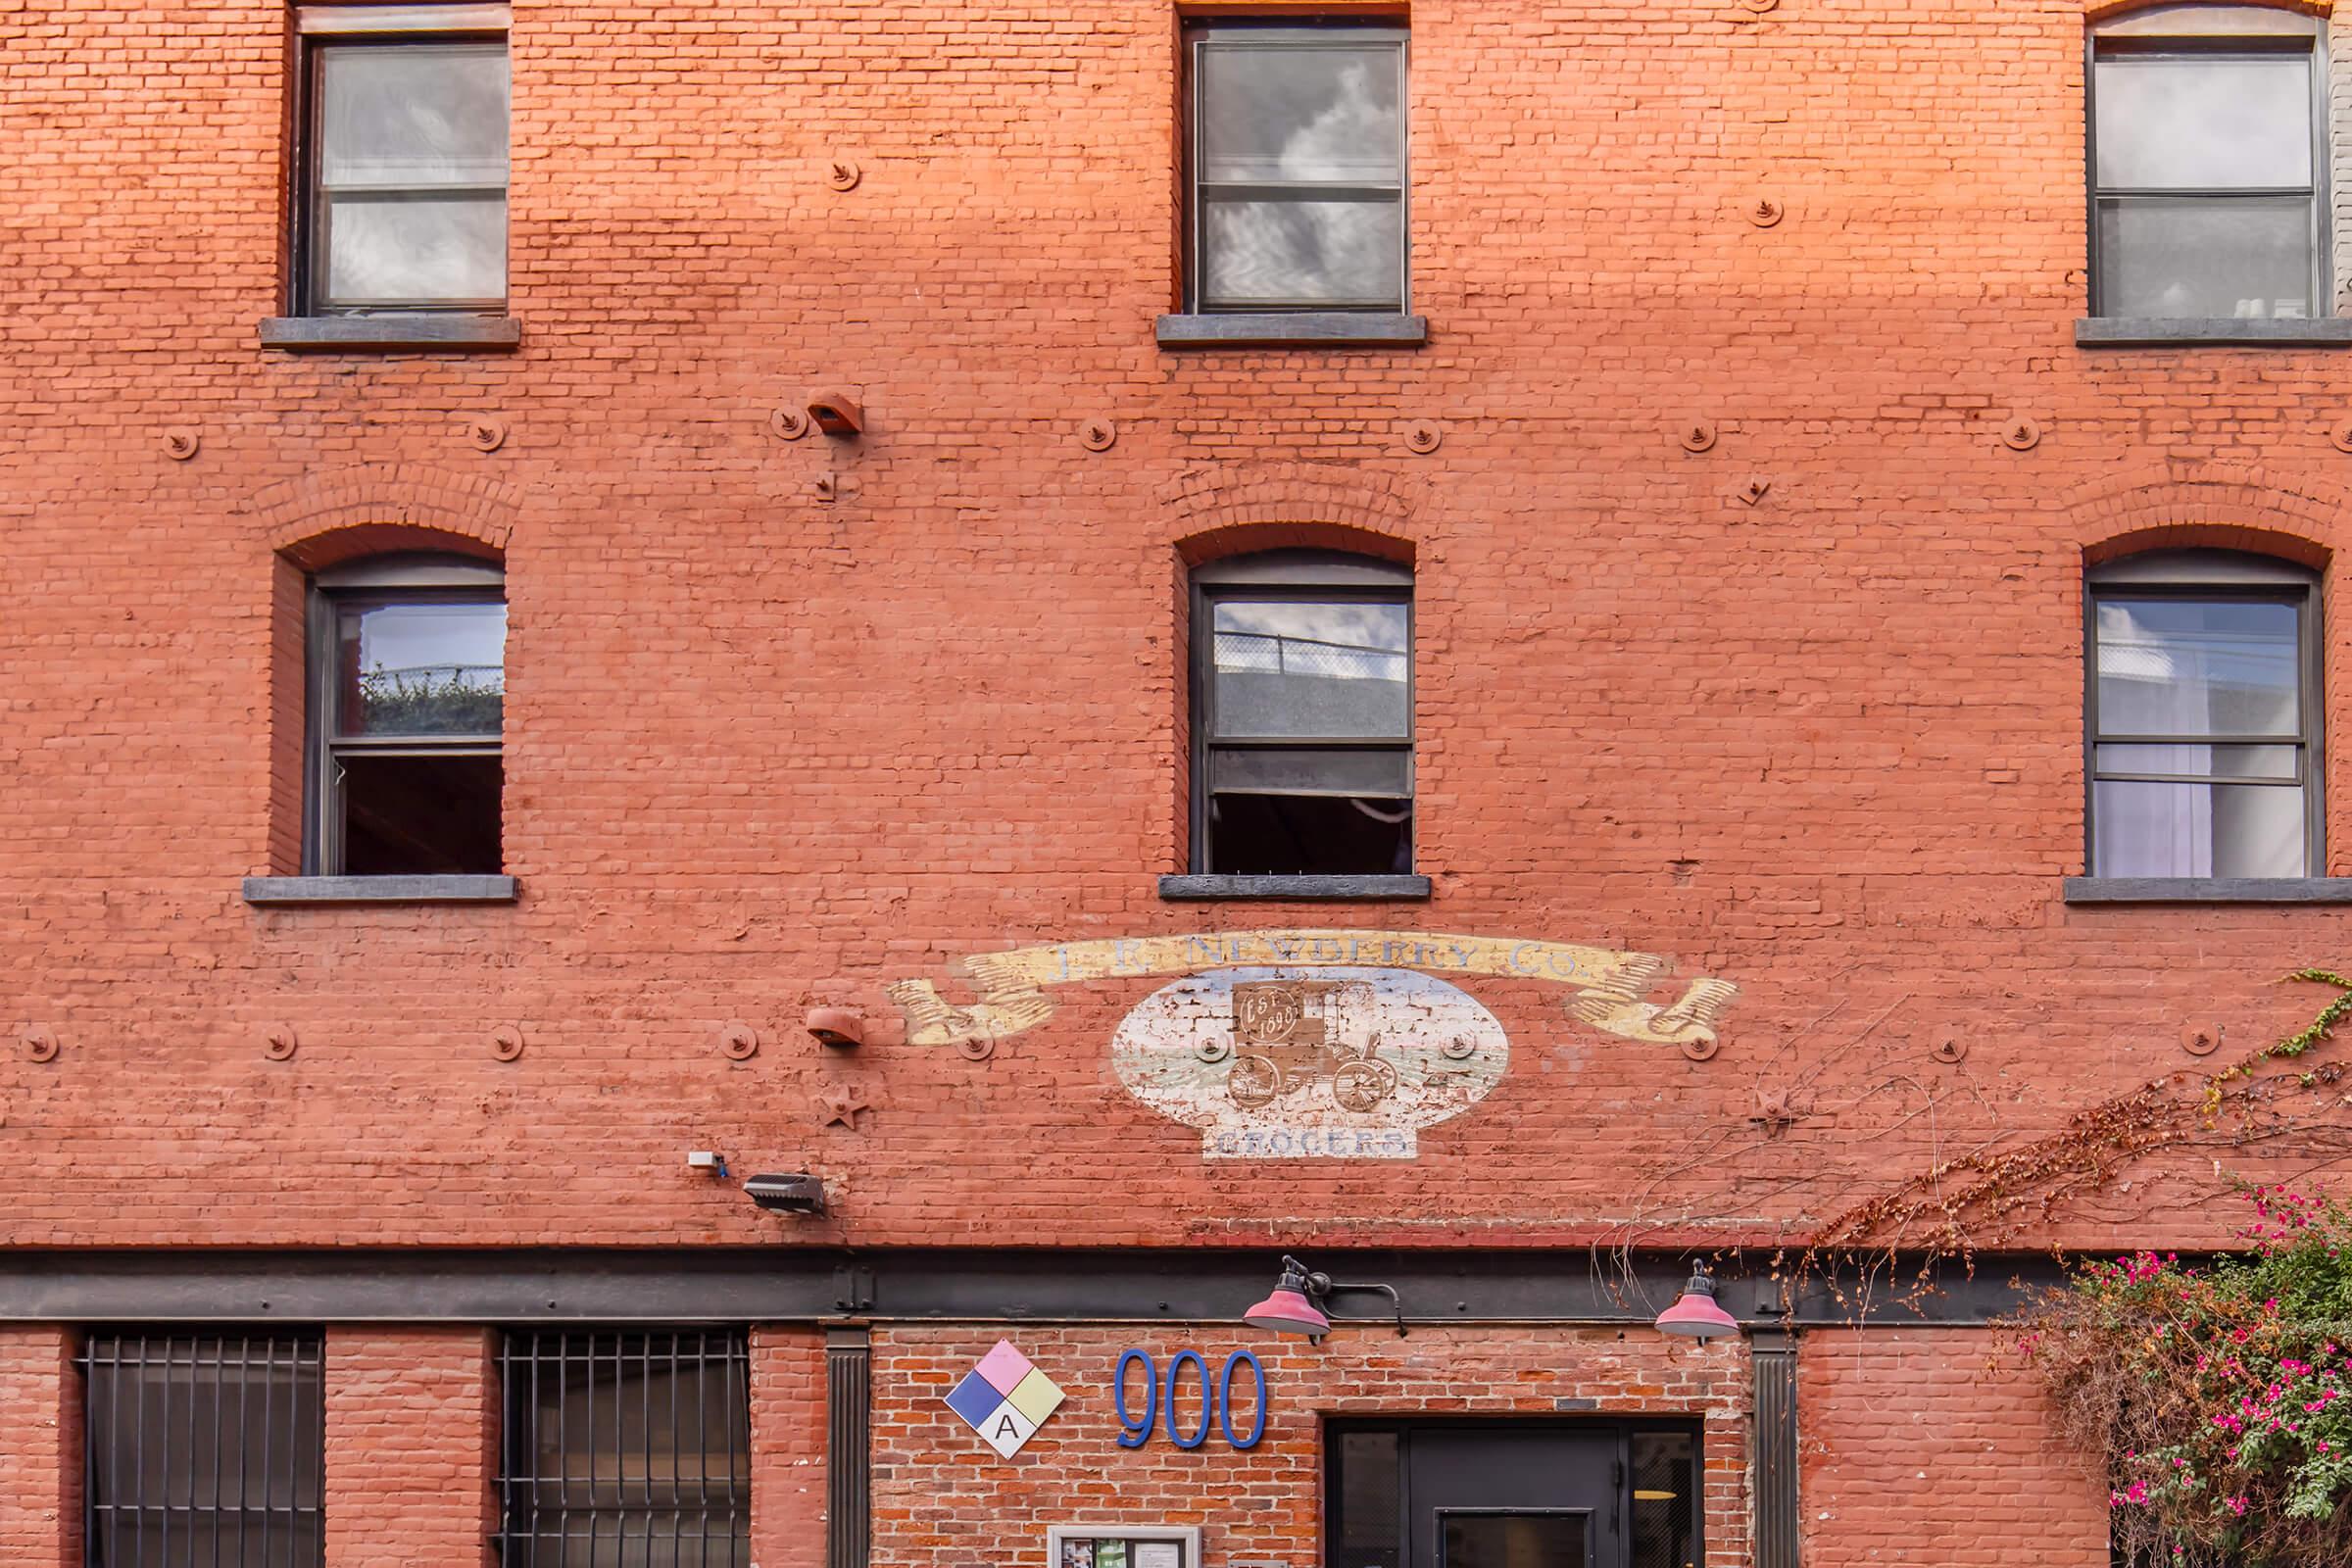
1289	1311
1695	1316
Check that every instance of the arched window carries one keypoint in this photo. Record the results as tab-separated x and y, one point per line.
1303	715
407	692
2204	717
2208	164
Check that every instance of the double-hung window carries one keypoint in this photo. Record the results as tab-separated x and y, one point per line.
1298	169
2204	717
1302	707
402	168
2209	164
406	704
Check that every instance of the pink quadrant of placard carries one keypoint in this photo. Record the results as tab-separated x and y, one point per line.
1005	1367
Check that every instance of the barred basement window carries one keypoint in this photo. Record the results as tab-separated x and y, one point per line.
626	1450
203	1447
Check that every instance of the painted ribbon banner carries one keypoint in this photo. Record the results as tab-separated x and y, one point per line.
1611	987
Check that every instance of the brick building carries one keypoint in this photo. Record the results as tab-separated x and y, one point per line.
1495	648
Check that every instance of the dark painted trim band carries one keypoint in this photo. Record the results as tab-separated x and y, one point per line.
390	332
1300	889
2162	332
811	1285
296	889
1319	329
2209	890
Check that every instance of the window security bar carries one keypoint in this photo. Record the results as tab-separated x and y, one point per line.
204	1450
626	1450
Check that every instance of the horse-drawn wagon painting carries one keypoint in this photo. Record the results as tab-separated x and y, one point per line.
1309	1062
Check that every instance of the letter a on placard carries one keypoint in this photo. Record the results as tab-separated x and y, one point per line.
1007	1430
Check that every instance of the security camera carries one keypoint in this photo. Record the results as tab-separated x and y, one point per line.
795	1194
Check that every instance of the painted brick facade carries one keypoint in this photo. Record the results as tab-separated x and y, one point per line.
943	1501
1915	1453
766	750
412	1447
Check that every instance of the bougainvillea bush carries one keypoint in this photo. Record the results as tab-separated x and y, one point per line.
2218	1396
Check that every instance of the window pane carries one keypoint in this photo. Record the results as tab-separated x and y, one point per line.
2227	121
1665	1500
1290	771
2183	667
2212	256
1307	835
1513	1541
1282	253
2197	830
2203	761
420	815
415	250
410	115
422	670
1329	114
1299	668
1364	1534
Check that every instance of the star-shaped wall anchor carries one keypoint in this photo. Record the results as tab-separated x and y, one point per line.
841	1107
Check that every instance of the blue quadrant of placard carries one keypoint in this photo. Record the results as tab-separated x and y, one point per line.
975	1398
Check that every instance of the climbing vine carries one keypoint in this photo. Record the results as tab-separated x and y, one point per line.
2216	1399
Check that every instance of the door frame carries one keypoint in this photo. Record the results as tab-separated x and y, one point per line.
1622	1428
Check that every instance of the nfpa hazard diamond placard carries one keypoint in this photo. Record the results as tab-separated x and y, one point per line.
1005	1399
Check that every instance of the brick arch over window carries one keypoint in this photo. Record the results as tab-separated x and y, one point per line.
2247	512
1245	509
329	520
324	521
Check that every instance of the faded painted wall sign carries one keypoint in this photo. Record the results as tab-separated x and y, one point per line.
1610	984
1313	1045
1309	1063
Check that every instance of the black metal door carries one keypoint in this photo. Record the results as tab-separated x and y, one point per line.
1514	1497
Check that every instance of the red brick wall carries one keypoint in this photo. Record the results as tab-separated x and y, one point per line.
1924	1447
765	750
40	1448
942	1499
412	1447
788	1448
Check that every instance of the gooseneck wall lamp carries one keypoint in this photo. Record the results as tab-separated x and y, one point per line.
1298	1304
1695	1316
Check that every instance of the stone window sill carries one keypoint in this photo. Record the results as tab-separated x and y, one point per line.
271	890
1297	889
2209	890
364	333
2157	333
1322	329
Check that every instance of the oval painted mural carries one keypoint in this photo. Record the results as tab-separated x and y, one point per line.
1309	1063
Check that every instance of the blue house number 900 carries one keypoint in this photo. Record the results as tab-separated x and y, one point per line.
1216	1399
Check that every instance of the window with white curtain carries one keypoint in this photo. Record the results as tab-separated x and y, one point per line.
2203	718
